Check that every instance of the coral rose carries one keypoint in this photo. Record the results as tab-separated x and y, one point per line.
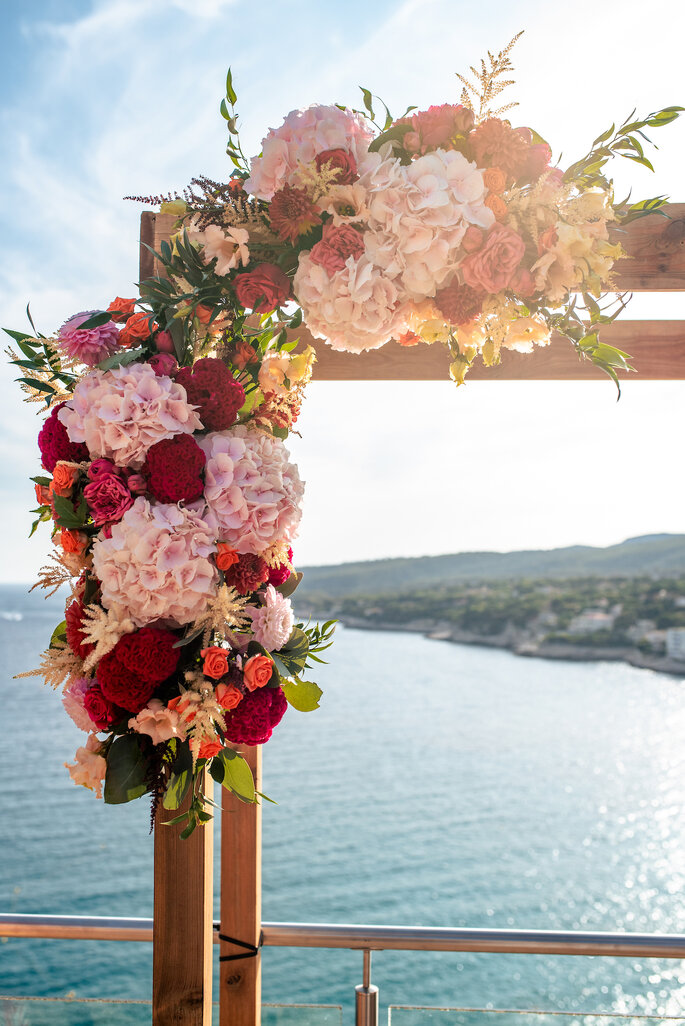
228	696
257	672
492	267
225	556
208	749
138	328
495	179
215	663
263	289
121	309
43	495
73	541
336	246
64	477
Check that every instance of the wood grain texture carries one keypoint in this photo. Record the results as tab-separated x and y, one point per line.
182	924
240	993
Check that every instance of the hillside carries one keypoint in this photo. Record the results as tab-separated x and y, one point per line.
658	555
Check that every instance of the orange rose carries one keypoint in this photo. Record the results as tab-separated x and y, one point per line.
244	354
225	556
409	339
257	671
215	662
228	696
64	478
121	309
203	313
209	749
179	705
136	329
73	541
43	496
494	179
497	205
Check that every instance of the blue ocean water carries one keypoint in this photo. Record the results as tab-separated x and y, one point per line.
437	785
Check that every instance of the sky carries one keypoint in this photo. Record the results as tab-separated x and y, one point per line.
104	98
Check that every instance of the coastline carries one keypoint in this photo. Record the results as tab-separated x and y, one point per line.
513	641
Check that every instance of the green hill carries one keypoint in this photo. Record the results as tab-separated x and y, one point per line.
658	555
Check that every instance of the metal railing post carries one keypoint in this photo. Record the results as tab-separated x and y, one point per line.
366	997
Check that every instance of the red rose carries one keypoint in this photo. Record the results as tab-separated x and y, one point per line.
102	712
108	498
341	161
263	289
336	246
491	268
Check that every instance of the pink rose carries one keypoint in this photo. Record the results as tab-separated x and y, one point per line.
101	466
342	161
336	246
164	343
108	498
263	289
523	283
136	484
163	363
492	267
473	239
438	125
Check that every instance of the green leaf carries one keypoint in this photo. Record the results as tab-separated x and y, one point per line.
40	386
230	91
604	137
126	770
18	336
59	635
223	110
303	695
294	654
237	775
288	587
180	779
39	479
65	514
121	359
98	319
368	101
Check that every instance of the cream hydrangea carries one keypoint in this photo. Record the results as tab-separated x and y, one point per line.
156	564
121	413
252	490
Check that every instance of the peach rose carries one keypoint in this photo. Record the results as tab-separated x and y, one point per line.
492	267
73	541
244	354
547	240
494	179
64	477
228	696
215	662
43	495
497	205
257	672
225	556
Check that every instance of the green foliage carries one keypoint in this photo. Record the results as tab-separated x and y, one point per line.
303	695
70	517
180	779
231	770
126	774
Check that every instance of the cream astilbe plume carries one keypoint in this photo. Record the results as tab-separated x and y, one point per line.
223	614
317	183
63	566
58	666
277	555
103	628
200	713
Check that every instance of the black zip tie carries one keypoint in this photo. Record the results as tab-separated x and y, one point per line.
251	950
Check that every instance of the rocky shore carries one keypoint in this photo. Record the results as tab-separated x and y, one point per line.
520	644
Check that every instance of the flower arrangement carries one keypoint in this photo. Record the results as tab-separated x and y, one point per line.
170	492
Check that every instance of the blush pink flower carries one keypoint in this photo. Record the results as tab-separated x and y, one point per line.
157	721
121	413
492	268
73	701
87	345
252	490
156	564
90	767
336	245
272	623
303	135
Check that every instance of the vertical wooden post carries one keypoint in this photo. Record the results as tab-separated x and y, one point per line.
182	926
240	998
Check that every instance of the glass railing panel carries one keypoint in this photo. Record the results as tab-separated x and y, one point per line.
405	1015
35	1011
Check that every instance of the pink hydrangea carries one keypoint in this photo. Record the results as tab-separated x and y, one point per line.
272	623
73	702
89	345
355	309
121	413
156	564
418	214
253	492
303	135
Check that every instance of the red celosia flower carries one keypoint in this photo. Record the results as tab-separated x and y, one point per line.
149	652
173	468
459	303
55	445
496	143
252	722
122	687
210	386
74	620
292	213
247	574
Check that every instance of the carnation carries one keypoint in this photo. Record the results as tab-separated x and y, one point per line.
173	468
252	491
303	135
121	413
87	345
253	720
158	722
156	564
272	623
55	445
211	387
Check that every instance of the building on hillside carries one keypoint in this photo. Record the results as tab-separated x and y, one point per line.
591	620
675	643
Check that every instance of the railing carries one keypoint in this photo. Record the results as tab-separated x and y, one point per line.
368	939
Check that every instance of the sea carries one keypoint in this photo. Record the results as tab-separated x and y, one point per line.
437	785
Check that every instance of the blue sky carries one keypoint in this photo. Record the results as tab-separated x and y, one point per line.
101	98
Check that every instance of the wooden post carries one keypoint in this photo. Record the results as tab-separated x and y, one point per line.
240	998
182	926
